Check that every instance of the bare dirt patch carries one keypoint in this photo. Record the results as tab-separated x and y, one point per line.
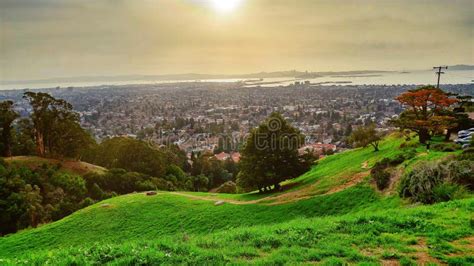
390	262
292	196
355	179
465	244
421	254
365	165
395	177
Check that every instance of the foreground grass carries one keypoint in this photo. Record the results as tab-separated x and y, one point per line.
356	225
137	216
442	233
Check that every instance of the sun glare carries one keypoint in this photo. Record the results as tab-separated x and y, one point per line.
225	6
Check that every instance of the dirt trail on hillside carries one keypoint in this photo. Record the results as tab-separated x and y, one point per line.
210	198
394	180
365	165
292	196
356	179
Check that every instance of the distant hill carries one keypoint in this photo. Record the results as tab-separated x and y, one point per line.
461	67
189	76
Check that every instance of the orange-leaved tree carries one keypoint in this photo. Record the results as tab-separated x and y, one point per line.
426	112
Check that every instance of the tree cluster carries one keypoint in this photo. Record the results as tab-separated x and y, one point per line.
51	130
29	197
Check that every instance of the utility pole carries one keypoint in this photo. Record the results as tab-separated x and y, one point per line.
439	72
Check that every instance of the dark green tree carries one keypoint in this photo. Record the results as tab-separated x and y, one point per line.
7	116
56	126
270	155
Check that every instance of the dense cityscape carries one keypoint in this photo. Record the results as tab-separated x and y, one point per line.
216	116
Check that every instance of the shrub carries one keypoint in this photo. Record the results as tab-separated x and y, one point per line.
448	191
445	147
400	158
460	172
431	182
467	154
87	202
381	177
419	183
145	185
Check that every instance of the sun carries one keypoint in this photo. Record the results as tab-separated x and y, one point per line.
225	6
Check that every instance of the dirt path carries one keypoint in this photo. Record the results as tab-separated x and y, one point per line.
210	198
394	180
356	179
292	196
365	165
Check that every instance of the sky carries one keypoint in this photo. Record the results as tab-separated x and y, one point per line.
42	39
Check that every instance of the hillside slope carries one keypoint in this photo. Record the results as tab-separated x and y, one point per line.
326	215
70	166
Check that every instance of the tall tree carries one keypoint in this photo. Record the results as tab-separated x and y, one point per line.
426	111
270	155
56	126
7	116
365	136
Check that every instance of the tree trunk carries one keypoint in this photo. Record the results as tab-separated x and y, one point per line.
375	145
448	134
7	150
424	136
40	144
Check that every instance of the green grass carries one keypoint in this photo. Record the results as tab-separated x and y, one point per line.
166	214
357	225
358	237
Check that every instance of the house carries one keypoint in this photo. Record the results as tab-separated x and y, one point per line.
223	156
317	148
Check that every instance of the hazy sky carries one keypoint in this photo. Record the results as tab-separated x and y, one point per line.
58	38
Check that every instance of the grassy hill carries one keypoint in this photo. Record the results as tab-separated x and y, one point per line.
69	166
330	215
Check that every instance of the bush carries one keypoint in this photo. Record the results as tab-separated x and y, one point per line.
448	191
431	182
445	147
227	187
467	154
460	172
419	183
87	202
145	185
381	177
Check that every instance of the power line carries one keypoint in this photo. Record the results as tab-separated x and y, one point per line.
439	72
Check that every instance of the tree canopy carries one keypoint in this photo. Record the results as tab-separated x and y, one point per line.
7	116
56	128
270	155
426	111
365	136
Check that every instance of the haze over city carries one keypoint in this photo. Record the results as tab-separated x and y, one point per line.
43	39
